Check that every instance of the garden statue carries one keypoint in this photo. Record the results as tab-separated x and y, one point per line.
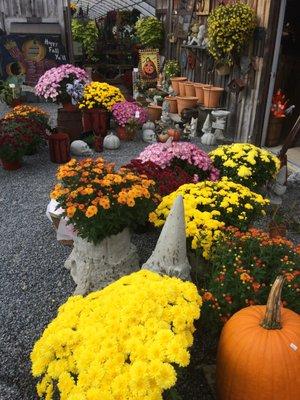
192	38
277	188
220	122
169	256
199	40
149	136
80	148
165	116
194	123
208	136
186	134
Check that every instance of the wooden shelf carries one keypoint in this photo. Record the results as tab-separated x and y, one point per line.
188	46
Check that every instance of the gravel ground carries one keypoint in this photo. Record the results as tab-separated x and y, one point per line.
33	280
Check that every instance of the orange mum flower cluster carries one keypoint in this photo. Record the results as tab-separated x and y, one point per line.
244	265
100	202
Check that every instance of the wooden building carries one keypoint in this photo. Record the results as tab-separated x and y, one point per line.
272	61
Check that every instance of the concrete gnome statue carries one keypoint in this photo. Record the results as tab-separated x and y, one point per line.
169	256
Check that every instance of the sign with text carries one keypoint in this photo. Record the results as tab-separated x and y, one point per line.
25	58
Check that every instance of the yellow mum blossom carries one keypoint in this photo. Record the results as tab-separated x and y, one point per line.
122	342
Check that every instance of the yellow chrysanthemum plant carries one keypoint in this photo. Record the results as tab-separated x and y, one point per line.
229	29
246	164
100	201
100	95
209	206
123	342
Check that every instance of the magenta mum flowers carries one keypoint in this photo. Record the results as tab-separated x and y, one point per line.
187	156
52	85
126	111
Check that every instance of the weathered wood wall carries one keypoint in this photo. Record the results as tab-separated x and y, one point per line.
248	107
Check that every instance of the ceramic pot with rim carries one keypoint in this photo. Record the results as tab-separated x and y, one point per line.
186	102
154	112
11	165
199	91
172	103
190	89
182	89
175	82
212	96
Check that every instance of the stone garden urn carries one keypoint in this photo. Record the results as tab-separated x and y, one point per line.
93	266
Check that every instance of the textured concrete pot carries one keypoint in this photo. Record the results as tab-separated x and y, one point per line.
154	113
93	266
175	83
186	102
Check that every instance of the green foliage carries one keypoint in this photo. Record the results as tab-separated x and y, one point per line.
9	94
87	34
149	31
172	68
243	267
229	29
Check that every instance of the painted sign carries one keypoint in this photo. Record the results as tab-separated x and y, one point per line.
25	58
149	65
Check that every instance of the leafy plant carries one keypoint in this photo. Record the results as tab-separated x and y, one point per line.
9	92
149	31
230	28
171	69
243	266
87	33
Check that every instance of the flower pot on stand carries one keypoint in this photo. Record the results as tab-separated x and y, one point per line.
11	165
154	112
199	91
190	89
212	96
186	102
172	103
94	266
96	120
175	83
274	131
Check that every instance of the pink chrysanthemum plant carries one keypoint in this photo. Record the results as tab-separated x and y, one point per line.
128	113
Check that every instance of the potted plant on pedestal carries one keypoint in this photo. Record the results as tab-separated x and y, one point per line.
54	83
129	117
102	205
97	101
230	27
11	148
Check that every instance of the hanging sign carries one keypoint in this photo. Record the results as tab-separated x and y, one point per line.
149	65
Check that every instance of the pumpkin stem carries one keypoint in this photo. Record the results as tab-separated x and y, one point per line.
272	318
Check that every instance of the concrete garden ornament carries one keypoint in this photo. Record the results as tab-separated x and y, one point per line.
277	188
169	256
208	137
111	141
80	148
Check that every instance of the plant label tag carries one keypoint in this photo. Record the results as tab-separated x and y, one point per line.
137	114
293	347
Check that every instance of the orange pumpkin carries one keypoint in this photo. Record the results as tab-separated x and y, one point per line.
174	134
259	352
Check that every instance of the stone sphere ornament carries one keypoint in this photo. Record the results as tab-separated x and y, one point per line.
111	142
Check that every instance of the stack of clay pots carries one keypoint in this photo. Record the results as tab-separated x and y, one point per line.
191	93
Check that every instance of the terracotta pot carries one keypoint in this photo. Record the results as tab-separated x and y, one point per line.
11	165
173	104
274	131
186	102
277	230
59	147
125	134
190	89
175	83
154	112
182	89
96	120
199	91
212	96
68	106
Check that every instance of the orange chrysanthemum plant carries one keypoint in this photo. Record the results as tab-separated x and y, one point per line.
101	202
244	266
